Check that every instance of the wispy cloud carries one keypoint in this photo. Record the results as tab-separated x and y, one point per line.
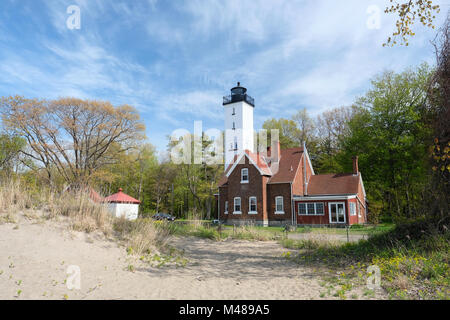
175	60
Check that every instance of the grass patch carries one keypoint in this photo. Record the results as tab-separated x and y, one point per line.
413	259
219	233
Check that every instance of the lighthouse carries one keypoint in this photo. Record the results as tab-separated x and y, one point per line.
239	136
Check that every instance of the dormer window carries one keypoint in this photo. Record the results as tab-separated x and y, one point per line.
244	175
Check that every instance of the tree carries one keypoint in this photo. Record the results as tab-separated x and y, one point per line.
332	128
77	137
133	171
391	140
10	148
198	180
437	204
289	135
305	125
408	12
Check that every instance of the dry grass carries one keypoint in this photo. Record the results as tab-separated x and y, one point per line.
84	214
13	198
142	236
195	219
250	232
81	212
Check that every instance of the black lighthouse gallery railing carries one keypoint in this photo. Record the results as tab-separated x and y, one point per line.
238	97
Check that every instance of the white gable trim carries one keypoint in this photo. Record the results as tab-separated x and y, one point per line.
362	185
309	160
250	160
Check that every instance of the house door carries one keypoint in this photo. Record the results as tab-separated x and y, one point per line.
337	212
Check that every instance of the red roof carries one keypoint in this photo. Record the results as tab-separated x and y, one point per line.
330	184
257	158
285	170
121	197
95	196
260	162
287	166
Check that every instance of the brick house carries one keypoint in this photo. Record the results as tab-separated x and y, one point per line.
279	186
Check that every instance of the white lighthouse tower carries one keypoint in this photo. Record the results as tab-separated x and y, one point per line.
238	108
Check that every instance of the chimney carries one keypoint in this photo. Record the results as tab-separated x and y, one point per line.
355	165
275	151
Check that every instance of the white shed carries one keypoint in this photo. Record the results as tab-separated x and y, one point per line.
122	205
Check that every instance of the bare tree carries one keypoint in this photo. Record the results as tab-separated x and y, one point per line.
305	124
77	137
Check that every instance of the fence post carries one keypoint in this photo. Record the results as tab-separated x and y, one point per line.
347	227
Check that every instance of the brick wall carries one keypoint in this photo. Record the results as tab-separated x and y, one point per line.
274	190
234	188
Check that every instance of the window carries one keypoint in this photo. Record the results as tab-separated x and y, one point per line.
352	208
311	208
359	209
302	208
244	175
320	208
279	207
252	205
337	212
237	206
226	207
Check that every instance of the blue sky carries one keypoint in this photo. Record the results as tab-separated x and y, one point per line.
174	60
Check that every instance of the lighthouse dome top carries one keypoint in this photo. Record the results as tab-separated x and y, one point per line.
238	93
238	89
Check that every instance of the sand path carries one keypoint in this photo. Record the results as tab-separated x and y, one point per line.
34	258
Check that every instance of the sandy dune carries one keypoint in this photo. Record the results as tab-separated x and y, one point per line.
34	258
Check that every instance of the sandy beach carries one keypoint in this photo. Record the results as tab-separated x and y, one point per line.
35	256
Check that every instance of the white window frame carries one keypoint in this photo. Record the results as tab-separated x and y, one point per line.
359	210
282	205
323	207
250	211
329	212
234	206
306	209
314	213
226	207
242	176
352	208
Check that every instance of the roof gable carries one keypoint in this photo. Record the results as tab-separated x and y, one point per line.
121	197
255	159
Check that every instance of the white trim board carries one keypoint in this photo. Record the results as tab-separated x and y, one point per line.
250	160
313	198
309	160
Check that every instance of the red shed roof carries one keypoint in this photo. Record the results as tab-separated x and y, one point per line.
121	197
329	184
